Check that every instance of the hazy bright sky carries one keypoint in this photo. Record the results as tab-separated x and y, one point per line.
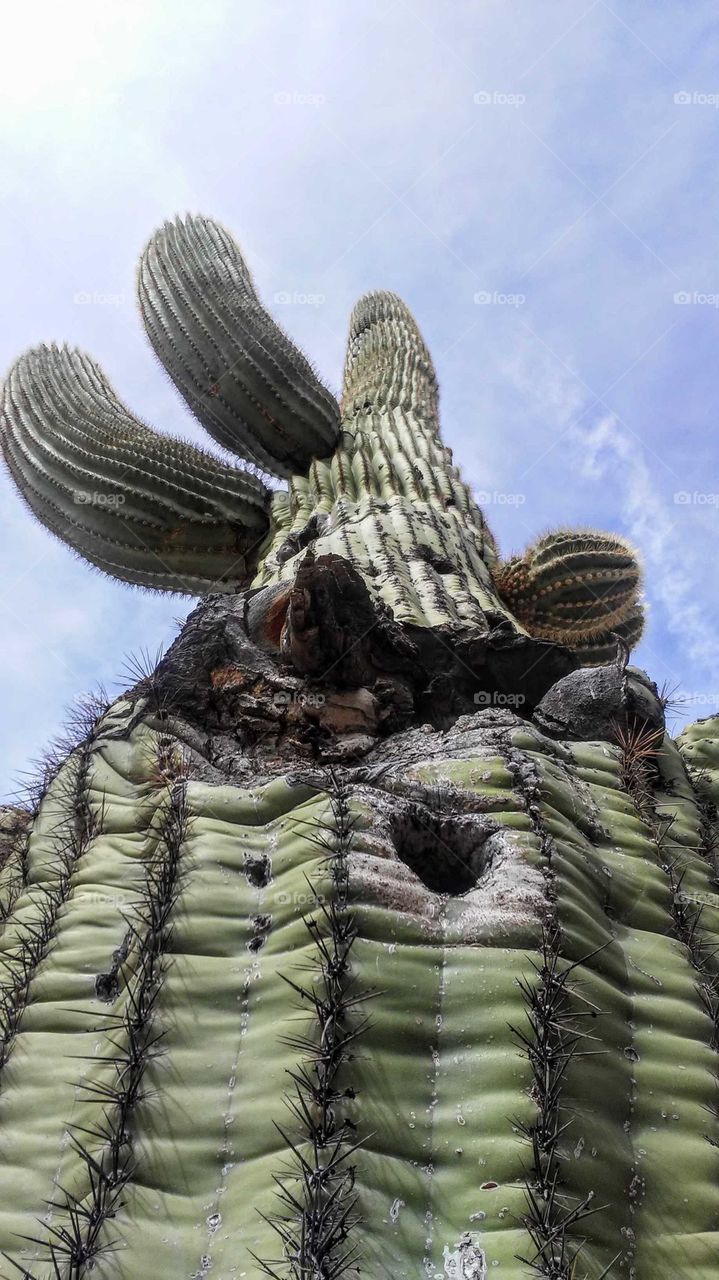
558	151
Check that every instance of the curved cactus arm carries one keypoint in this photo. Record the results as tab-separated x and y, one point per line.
145	508
577	588
245	380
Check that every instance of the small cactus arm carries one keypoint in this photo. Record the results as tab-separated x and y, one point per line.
578	588
145	508
245	380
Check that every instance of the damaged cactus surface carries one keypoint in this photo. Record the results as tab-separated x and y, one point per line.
373	931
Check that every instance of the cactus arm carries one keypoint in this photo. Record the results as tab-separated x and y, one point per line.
143	507
576	588
246	381
394	502
388	366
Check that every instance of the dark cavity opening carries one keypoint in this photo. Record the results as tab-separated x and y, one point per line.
261	926
447	853
258	871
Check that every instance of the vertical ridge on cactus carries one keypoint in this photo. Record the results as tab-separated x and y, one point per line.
373	931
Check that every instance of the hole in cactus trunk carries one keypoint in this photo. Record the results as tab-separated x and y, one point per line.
258	871
448	853
261	926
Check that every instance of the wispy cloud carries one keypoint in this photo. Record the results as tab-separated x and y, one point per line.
608	455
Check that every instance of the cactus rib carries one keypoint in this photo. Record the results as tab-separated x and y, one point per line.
316	1236
552	1044
29	934
110	1167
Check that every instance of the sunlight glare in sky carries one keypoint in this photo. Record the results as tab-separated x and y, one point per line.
57	55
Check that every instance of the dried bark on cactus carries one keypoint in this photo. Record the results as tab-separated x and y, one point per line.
371	932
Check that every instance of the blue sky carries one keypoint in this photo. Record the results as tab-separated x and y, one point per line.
538	180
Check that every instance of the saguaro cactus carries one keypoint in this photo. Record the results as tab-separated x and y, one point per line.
374	931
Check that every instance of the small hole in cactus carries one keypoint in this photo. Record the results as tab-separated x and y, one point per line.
261	926
440	564
258	871
448	853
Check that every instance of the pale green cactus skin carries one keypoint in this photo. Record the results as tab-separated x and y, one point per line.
244	378
288	992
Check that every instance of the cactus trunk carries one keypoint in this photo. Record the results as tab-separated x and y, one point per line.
285	995
374	932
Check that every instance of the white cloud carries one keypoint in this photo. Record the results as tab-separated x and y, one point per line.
608	454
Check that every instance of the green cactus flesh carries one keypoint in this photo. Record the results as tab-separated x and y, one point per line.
374	932
578	587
